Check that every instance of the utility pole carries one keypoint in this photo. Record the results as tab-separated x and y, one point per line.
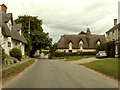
29	28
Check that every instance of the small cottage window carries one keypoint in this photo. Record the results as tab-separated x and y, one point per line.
70	50
70	46
64	50
9	44
16	44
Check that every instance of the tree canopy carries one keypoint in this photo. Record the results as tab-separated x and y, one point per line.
82	32
32	30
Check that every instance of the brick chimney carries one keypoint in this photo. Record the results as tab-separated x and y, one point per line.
3	8
115	22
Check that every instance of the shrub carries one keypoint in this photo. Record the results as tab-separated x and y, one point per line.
119	51
2	54
100	47
63	54
110	49
15	52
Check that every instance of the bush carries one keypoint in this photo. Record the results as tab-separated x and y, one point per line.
119	51
100	47
15	52
110	49
2	54
63	54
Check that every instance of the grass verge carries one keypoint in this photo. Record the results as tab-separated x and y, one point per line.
16	69
106	66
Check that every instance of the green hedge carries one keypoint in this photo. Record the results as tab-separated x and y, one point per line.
63	54
15	52
16	69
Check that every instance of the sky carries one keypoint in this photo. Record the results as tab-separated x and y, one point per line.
67	16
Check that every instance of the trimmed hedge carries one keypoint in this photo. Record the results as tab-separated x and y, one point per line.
63	54
15	52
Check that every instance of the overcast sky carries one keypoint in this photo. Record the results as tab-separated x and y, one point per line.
68	16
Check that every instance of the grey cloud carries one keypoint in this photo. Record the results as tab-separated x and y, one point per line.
68	16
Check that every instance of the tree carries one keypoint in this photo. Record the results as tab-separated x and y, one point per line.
110	49
82	32
32	30
100	47
53	48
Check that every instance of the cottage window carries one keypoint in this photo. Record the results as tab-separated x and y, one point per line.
16	44
9	44
70	46
81	45
98	43
70	50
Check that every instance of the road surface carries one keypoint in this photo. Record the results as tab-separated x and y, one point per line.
58	74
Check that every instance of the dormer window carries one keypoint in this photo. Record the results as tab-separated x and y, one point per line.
81	45
98	43
70	46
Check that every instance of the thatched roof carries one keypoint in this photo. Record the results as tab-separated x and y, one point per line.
14	32
89	41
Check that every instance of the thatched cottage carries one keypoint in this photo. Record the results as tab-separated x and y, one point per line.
83	42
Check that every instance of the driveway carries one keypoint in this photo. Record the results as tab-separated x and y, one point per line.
85	60
45	73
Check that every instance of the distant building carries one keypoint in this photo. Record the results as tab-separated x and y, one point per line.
83	42
114	35
10	33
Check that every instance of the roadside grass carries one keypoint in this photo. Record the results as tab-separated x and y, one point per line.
16	69
72	58
105	66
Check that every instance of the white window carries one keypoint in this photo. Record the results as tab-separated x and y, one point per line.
98	43
116	50
81	45
70	46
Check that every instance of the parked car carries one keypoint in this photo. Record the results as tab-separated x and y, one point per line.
101	54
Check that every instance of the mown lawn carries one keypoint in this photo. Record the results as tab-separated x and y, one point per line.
106	66
71	58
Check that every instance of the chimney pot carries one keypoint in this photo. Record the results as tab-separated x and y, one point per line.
3	8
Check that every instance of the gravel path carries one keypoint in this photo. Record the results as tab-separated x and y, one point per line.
82	61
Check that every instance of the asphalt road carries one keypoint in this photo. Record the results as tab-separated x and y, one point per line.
58	74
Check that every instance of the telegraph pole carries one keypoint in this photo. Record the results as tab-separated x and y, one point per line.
29	28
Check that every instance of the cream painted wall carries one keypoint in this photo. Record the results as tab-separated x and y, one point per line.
76	50
20	45
23	49
110	36
15	44
5	45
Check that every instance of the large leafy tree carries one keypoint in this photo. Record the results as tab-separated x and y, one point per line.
82	32
32	30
